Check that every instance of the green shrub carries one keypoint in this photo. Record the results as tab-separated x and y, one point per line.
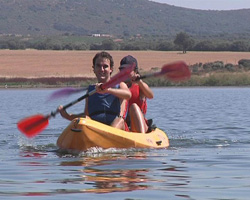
245	63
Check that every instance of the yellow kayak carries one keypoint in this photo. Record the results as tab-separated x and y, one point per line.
84	133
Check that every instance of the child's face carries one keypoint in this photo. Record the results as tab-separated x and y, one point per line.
132	74
102	69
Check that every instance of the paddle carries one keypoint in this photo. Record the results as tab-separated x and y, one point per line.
65	92
176	71
33	125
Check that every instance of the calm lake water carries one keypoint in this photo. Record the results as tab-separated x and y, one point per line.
209	156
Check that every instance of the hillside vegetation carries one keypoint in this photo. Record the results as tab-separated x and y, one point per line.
117	17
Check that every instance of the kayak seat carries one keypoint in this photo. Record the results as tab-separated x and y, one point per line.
151	126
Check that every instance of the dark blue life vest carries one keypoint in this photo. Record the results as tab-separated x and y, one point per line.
103	107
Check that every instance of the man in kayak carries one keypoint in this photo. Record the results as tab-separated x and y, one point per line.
138	102
108	106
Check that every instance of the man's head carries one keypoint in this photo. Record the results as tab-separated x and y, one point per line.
106	55
103	66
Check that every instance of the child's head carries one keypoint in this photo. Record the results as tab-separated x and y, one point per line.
129	60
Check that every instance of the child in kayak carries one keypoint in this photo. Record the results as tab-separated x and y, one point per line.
109	105
138	102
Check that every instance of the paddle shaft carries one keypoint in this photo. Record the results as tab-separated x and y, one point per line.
53	113
150	75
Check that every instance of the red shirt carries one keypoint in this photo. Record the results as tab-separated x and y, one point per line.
142	103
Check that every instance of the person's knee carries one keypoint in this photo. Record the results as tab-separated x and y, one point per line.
118	123
133	108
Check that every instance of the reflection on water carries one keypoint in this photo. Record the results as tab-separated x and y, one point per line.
115	181
95	173
108	180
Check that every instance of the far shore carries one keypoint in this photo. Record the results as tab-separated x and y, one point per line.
52	69
40	64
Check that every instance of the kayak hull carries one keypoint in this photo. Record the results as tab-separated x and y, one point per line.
84	133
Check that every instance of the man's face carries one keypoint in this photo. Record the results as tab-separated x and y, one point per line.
102	69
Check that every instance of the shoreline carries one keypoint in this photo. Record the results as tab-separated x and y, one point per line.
212	79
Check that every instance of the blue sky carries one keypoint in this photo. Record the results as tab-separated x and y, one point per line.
209	4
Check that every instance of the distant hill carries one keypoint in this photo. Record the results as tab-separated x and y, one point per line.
116	17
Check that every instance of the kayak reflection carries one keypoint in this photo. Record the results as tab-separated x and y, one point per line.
115	180
109	180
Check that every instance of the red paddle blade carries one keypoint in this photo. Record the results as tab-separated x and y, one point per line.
177	71
33	125
121	76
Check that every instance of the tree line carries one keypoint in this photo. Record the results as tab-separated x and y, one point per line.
182	41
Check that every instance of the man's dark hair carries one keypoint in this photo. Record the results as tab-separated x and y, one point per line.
104	54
